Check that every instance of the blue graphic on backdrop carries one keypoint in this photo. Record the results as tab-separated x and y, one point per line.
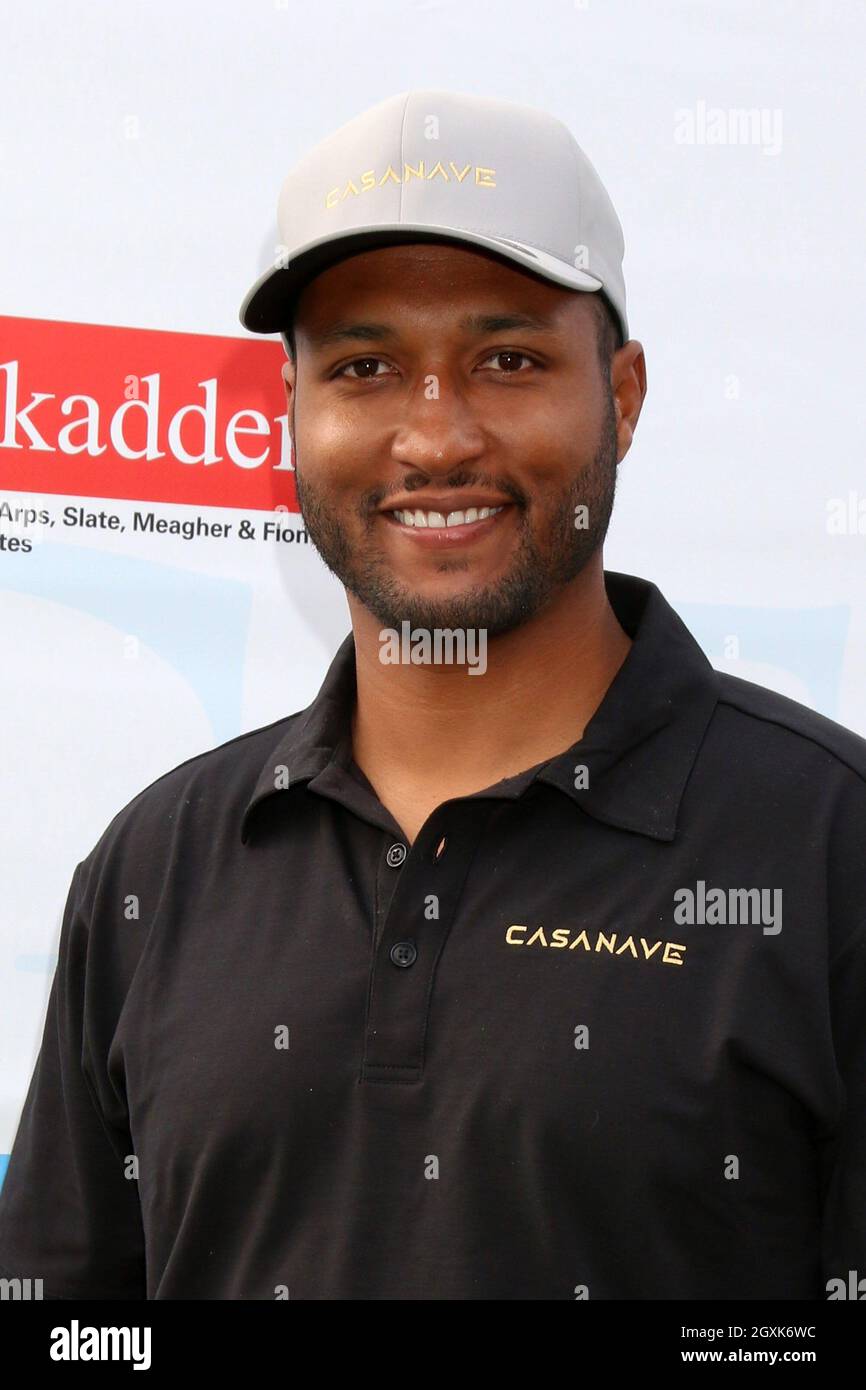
809	643
196	623
36	963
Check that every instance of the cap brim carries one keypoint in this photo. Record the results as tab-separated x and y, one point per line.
268	305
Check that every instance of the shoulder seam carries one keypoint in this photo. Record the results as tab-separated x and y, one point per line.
196	757
728	699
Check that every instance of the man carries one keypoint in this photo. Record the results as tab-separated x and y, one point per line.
529	961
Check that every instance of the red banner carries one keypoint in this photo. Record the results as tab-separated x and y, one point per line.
96	411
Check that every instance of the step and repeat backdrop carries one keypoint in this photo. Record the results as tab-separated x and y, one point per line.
159	593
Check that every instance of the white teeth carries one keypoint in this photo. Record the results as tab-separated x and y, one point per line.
436	519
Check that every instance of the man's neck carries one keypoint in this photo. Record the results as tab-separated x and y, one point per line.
438	730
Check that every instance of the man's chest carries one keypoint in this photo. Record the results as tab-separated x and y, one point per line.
484	978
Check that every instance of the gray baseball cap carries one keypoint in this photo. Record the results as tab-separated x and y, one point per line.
435	165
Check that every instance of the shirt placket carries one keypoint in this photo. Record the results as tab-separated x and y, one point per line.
419	894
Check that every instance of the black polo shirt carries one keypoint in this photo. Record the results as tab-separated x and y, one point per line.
563	1054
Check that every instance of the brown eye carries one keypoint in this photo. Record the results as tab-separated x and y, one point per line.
510	356
361	362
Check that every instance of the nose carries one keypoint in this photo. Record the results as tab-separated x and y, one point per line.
439	430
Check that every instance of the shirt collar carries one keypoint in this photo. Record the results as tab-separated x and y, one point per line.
638	748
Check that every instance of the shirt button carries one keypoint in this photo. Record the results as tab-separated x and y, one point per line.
404	953
395	856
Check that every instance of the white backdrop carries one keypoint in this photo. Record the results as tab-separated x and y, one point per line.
142	146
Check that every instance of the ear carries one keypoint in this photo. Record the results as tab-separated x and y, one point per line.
628	383
287	372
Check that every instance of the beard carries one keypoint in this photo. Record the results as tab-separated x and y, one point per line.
542	564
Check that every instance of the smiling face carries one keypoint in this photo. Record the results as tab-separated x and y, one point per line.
439	379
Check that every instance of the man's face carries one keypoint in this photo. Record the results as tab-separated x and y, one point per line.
408	395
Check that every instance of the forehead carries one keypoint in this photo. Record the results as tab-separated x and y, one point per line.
443	279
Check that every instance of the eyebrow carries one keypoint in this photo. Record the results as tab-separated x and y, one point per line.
476	324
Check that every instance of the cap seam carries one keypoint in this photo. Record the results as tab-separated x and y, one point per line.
402	154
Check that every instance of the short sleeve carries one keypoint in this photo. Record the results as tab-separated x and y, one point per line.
68	1213
843	1247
